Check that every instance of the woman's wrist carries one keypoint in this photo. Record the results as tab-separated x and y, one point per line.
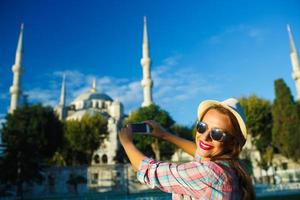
165	135
126	142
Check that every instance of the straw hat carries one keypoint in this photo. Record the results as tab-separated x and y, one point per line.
230	104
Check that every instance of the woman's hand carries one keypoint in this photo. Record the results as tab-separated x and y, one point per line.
125	135
157	129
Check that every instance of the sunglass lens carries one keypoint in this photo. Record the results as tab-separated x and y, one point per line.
216	134
201	127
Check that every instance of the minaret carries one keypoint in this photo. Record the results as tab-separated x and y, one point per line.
15	89
62	102
295	62
94	86
146	62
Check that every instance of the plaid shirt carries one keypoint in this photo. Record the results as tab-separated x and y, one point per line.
192	180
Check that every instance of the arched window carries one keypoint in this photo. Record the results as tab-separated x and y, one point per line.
97	159
104	159
72	107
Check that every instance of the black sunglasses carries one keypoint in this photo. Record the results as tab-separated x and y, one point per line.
215	133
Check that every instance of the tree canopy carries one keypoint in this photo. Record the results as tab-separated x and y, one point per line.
258	112
183	131
32	134
83	138
286	121
153	146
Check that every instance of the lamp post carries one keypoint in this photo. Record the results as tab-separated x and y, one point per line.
19	179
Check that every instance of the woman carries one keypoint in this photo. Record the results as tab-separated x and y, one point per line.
215	172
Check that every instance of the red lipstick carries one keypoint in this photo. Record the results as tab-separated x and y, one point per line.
205	146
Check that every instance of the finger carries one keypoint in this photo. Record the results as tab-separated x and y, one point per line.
150	122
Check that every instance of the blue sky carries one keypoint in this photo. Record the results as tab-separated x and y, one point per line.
199	49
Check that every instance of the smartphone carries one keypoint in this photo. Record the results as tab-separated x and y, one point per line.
140	128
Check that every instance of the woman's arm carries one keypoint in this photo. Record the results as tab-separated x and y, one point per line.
135	156
186	145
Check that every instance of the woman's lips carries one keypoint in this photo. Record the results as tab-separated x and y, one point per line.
205	146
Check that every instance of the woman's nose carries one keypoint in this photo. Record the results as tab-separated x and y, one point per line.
206	136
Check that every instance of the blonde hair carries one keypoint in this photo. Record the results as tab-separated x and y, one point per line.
245	184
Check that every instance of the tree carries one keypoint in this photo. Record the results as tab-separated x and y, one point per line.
31	134
153	146
183	131
286	122
258	112
83	138
298	106
259	123
58	160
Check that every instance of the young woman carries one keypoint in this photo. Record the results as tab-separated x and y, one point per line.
215	172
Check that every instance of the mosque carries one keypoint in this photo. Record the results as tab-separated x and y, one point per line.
90	102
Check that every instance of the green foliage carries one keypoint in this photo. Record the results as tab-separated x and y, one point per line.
33	126
58	160
32	134
259	120
150	146
183	131
83	138
286	122
152	112
298	106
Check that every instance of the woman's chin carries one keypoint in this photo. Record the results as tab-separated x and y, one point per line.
205	155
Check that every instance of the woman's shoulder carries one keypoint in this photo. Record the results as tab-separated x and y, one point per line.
217	174
220	169
216	168
219	166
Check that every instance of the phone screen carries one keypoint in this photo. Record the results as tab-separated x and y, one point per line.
140	128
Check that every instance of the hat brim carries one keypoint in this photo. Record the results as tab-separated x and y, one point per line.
209	103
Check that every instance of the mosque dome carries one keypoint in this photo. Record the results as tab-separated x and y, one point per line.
92	95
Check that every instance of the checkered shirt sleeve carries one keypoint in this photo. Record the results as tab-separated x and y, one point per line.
191	180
